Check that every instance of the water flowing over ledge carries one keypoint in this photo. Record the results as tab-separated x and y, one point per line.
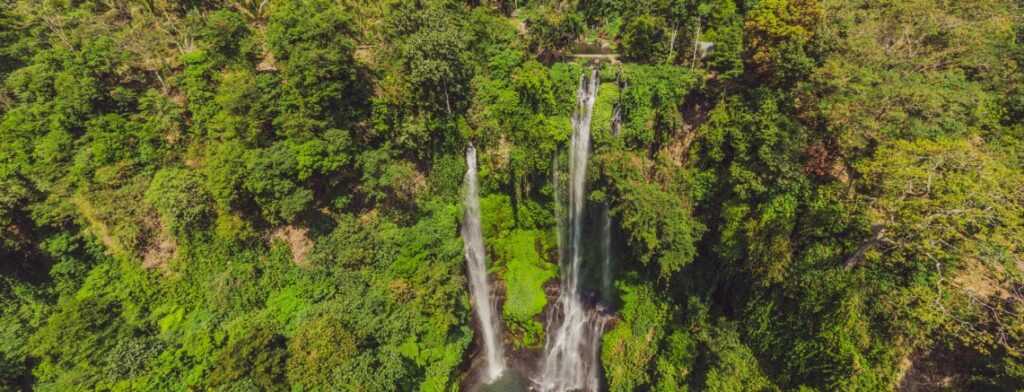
574	328
476	267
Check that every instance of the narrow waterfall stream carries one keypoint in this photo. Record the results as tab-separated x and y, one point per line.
473	244
616	119
572	350
616	125
607	277
606	254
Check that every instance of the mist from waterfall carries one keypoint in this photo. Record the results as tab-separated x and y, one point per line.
473	244
571	357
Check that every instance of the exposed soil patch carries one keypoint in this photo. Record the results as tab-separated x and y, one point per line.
162	251
695	112
298	241
982	281
932	370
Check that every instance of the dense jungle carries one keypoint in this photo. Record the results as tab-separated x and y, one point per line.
512	195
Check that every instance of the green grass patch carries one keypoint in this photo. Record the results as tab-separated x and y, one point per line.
525	272
604	105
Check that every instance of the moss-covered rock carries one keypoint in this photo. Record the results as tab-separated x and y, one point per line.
525	272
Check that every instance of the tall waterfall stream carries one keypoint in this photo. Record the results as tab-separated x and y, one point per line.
473	244
575	323
572	351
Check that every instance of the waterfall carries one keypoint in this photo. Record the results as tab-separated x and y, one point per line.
617	110
473	244
606	219
616	119
571	357
606	254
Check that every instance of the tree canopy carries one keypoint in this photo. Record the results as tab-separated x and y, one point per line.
267	195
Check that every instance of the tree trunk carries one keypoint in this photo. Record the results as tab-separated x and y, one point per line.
877	233
696	43
447	102
672	42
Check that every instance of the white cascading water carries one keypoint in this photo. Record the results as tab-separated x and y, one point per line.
616	120
606	254
473	244
572	349
606	219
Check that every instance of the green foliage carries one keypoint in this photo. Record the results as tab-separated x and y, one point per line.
179	198
320	352
657	220
237	96
526	272
388	179
207	195
226	33
768	239
432	56
311	40
552	27
725	31
652	104
256	358
776	34
271	181
675	365
628	349
533	84
732	366
950	209
907	93
72	343
643	39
